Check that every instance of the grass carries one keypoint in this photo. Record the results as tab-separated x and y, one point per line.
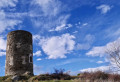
31	79
57	81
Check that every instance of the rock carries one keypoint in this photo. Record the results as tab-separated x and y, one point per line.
15	78
28	73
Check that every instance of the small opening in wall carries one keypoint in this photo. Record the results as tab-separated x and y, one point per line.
30	58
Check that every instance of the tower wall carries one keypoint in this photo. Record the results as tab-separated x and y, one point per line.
19	53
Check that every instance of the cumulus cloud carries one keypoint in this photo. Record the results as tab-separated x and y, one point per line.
104	8
101	68
37	53
58	46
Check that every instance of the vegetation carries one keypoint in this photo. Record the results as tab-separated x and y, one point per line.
60	76
95	76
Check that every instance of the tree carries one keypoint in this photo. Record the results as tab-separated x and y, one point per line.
113	51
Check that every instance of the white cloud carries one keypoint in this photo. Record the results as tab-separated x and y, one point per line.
37	70
49	13
101	68
88	40
75	32
6	23
58	46
99	62
101	50
2	46
96	51
2	43
105	51
84	46
79	22
37	53
85	24
104	8
39	59
36	37
8	3
62	27
49	7
69	25
2	53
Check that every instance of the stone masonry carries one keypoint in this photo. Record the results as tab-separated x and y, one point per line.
19	53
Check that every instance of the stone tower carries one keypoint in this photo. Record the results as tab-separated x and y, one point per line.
19	53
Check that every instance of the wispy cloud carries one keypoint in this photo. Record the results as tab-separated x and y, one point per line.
101	68
99	62
87	42
49	12
2	53
7	23
2	46
39	59
85	24
96	51
62	27
101	50
37	53
2	43
38	70
8	3
104	8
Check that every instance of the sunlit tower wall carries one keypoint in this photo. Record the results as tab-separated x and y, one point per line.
19	53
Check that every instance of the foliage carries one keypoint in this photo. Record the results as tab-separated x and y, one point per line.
59	74
99	75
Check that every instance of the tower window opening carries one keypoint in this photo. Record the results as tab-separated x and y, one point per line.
30	58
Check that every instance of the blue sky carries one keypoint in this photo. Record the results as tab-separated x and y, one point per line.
68	34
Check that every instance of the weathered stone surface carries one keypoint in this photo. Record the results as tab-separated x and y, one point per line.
19	53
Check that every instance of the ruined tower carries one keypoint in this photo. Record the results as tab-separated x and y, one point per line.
19	53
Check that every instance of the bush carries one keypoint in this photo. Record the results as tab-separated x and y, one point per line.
60	75
100	75
114	77
94	75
